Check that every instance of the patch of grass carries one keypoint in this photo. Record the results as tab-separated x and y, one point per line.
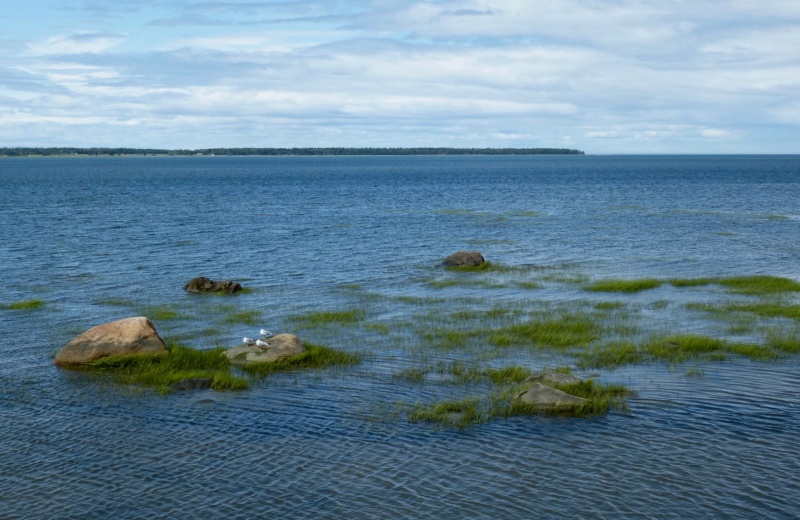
460	414
690	282
415	374
761	284
602	398
627	286
609	355
678	348
461	282
569	330
24	305
508	375
315	356
162	313
162	371
322	318
784	342
606	306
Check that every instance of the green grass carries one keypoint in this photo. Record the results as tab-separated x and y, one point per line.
323	318
760	285
162	371
690	282
251	317
161	313
681	347
610	355
485	266
784	342
626	286
569	330
460	414
315	356
602	398
764	309
607	306
508	375
462	282
24	305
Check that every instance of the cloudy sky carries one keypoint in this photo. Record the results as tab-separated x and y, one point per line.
626	76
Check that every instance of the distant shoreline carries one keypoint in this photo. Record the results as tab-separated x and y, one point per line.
296	152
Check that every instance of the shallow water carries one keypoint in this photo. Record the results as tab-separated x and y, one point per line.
324	233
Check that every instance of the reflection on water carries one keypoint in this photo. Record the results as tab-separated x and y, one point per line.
99	239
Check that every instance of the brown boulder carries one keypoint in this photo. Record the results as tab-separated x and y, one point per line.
127	336
280	346
201	284
464	259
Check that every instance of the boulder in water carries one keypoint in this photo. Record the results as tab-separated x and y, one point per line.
126	336
201	284
280	346
464	259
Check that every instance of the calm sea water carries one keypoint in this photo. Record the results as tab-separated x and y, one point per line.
98	239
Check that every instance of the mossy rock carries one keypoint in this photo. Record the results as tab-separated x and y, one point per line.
279	347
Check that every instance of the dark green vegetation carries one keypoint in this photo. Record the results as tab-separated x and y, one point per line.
320	318
23	305
627	286
760	284
499	402
26	151
315	356
162	372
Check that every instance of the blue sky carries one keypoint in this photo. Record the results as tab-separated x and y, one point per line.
667	76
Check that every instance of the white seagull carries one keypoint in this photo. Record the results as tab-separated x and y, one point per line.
261	343
247	340
267	333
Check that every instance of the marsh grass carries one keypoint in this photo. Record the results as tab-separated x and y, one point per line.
626	286
681	347
565	331
24	305
760	284
461	414
602	397
609	355
690	282
315	356
784	342
462	282
323	318
482	268
162	313
163	371
764	309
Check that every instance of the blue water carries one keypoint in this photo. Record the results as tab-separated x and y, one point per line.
328	233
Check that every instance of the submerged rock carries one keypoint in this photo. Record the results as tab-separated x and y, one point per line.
126	336
280	346
201	284
464	259
548	398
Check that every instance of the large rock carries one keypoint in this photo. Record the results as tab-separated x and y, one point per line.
464	259
127	336
202	284
548	399
280	346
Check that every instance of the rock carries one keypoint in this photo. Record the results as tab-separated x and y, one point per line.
280	346
194	383
202	284
127	336
546	398
464	259
553	378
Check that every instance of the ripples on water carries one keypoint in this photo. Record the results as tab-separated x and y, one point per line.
78	232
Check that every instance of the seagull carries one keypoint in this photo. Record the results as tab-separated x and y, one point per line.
267	333
261	343
247	340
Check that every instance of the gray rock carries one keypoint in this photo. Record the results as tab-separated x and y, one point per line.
280	346
127	336
463	259
546	398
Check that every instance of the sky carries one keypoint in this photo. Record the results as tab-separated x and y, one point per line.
628	76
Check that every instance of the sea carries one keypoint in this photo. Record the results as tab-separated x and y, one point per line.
103	238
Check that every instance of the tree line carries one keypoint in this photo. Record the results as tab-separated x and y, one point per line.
22	151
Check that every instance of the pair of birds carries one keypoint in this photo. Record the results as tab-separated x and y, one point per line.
260	342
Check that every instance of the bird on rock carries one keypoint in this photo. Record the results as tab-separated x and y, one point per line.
262	344
267	333
247	340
